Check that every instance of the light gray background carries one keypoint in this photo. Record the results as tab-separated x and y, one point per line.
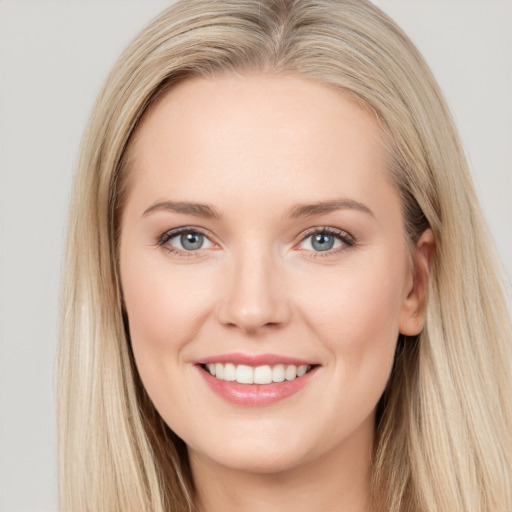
54	56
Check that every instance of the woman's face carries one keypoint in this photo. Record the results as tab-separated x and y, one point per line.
261	238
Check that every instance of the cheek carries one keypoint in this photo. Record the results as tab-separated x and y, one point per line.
359	299
165	307
357	321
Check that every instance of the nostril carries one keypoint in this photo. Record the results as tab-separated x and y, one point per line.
264	313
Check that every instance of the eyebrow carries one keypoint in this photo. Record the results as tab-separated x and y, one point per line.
196	209
301	210
308	210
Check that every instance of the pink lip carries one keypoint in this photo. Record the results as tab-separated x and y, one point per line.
253	360
254	395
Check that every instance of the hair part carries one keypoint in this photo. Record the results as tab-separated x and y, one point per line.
443	437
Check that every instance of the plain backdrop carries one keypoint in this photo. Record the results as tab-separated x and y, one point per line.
54	56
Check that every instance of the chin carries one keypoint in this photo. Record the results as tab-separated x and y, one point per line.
252	459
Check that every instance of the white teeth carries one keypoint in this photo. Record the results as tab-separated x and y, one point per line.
290	373
265	374
262	375
229	372
244	374
278	373
301	370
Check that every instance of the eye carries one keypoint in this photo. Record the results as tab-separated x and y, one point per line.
189	241
326	239
184	240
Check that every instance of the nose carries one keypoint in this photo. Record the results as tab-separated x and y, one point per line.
255	296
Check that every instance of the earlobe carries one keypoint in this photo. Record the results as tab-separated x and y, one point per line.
412	318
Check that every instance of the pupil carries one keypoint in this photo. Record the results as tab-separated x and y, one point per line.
191	241
322	242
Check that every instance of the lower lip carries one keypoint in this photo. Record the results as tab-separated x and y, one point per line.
255	395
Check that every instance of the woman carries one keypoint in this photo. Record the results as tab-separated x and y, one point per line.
279	288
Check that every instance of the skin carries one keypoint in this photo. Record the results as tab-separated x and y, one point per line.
253	147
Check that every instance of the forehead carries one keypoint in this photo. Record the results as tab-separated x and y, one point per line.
280	135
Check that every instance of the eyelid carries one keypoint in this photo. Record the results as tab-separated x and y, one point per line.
345	237
162	240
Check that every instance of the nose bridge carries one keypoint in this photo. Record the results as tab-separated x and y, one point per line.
255	296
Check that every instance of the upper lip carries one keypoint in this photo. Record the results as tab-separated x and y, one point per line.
253	360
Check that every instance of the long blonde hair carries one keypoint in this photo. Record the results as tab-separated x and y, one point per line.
444	429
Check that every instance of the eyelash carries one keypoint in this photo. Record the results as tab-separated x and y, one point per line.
168	235
347	240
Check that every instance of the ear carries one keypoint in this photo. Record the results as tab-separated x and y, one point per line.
412	317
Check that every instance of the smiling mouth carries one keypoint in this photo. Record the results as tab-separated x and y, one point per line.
264	374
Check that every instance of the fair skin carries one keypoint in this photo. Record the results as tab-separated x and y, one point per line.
298	257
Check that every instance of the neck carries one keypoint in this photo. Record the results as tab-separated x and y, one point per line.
337	481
